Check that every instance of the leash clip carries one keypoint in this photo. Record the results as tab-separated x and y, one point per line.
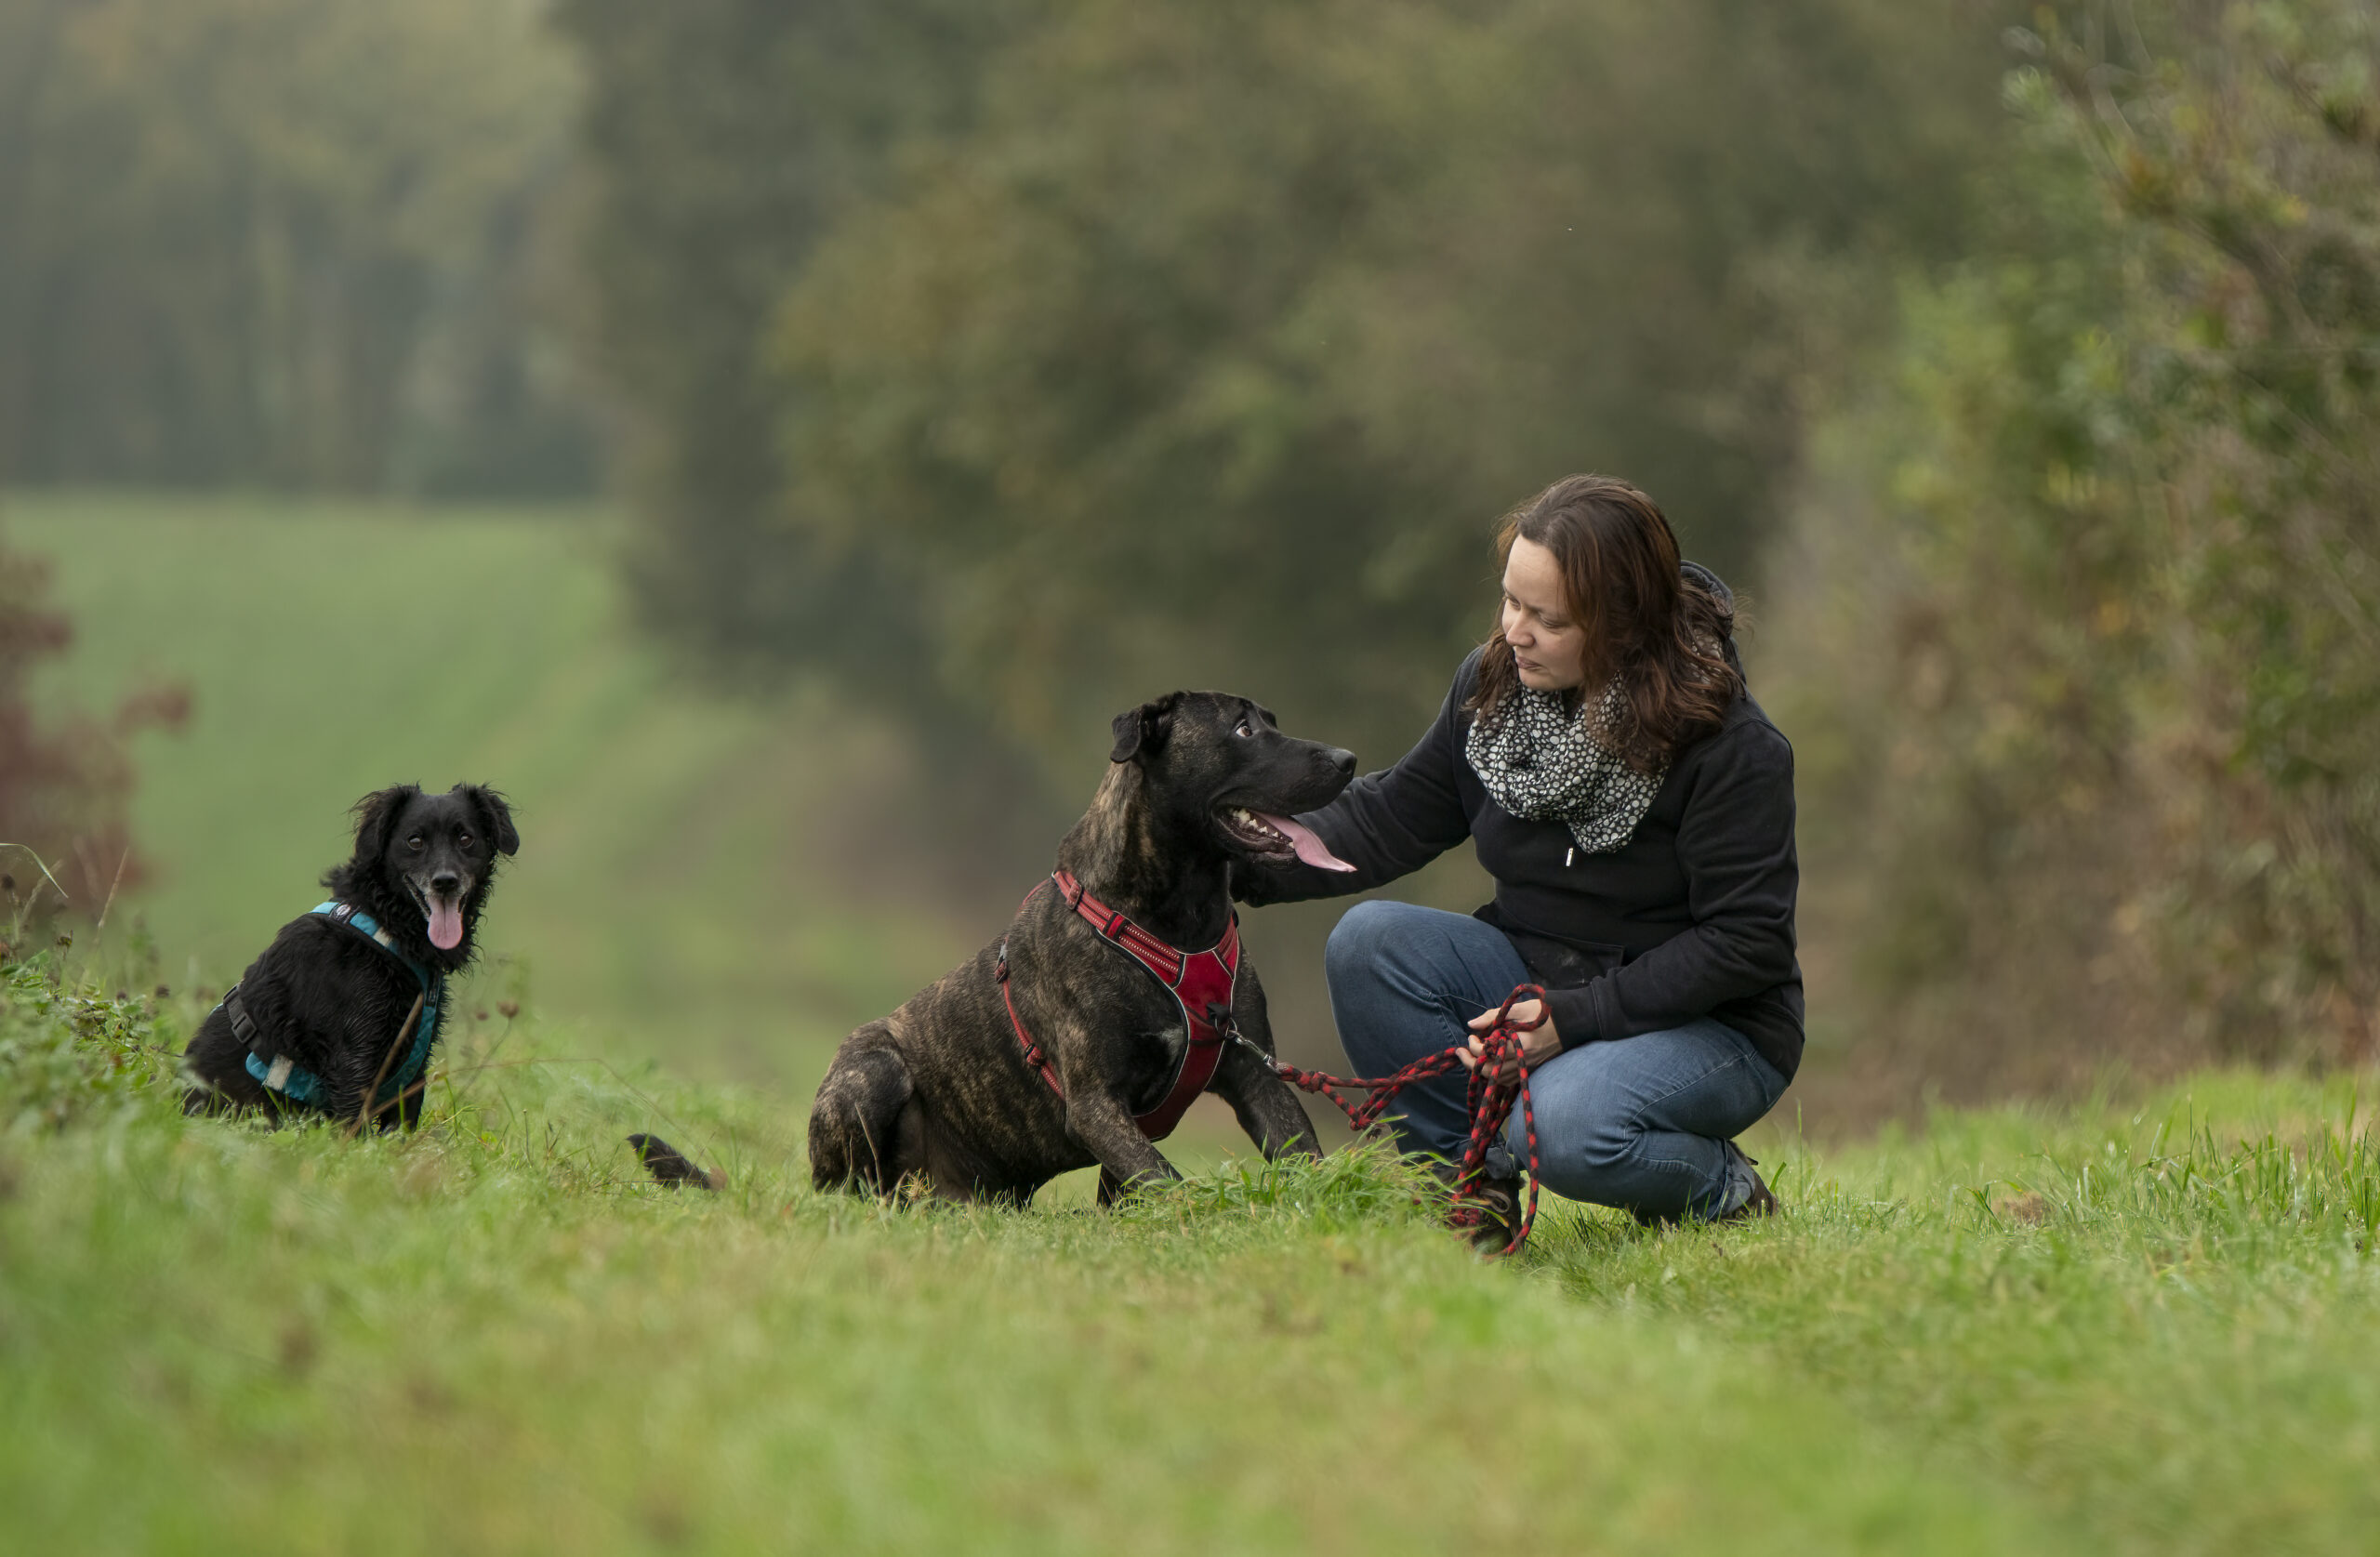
1251	1045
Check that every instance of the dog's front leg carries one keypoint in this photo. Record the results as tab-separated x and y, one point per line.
1105	1128
1268	1110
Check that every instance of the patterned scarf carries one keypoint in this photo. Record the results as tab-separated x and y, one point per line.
1543	763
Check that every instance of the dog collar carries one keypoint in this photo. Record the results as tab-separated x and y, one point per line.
281	1075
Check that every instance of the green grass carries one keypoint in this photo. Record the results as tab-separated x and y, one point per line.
686	883
2147	1326
2151	1329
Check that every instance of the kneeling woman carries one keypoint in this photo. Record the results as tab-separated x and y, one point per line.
1635	807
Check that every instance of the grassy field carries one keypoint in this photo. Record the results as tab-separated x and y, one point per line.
726	884
685	885
2151	1329
2148	1326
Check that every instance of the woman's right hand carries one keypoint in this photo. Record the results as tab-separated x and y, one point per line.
1538	1044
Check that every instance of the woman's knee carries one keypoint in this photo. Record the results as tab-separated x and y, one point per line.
1610	1162
1589	1130
1366	940
1353	937
1580	1145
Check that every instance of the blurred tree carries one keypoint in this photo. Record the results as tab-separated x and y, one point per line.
1022	361
292	242
1211	353
2086	635
723	138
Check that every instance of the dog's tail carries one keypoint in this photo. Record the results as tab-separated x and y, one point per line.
672	1167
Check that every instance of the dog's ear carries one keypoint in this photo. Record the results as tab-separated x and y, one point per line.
375	813
1143	730
496	817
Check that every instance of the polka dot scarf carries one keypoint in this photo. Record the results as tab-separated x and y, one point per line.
1543	763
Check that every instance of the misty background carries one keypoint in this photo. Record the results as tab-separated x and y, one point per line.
770	439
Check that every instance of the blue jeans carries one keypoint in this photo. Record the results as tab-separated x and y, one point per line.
1642	1123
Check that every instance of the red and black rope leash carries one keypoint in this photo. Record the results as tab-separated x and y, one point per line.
1489	1102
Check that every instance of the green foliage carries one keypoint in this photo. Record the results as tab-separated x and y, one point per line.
289	243
1363	1185
2091	580
68	1053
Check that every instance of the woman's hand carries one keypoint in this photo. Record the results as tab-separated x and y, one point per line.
1538	1044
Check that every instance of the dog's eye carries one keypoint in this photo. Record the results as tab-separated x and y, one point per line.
413	842
462	841
1243	729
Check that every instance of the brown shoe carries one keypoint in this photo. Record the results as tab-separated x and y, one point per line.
1488	1213
1760	1202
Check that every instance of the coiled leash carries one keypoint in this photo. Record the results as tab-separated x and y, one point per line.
1489	1102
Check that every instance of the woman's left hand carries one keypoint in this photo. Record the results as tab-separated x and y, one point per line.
1538	1044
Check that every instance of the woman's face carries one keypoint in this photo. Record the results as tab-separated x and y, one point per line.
1548	647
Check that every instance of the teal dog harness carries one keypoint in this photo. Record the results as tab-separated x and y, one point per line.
279	1073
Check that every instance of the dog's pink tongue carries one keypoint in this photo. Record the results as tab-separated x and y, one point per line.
445	924
1312	849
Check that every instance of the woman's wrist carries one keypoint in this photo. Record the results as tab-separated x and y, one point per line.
1571	1013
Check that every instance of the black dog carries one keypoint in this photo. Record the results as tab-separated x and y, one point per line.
1055	1048
314	1025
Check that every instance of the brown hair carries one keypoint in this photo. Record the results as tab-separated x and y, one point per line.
1662	633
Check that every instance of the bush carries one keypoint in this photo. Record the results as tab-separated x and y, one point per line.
2086	596
64	783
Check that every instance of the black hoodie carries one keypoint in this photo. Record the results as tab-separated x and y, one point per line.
1693	917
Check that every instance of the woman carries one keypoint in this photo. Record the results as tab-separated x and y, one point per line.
1635	807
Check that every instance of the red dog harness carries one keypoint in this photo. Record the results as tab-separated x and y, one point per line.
1202	984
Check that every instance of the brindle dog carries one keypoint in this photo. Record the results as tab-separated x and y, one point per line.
941	1090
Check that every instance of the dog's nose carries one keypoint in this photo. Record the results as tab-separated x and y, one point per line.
1343	762
444	883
